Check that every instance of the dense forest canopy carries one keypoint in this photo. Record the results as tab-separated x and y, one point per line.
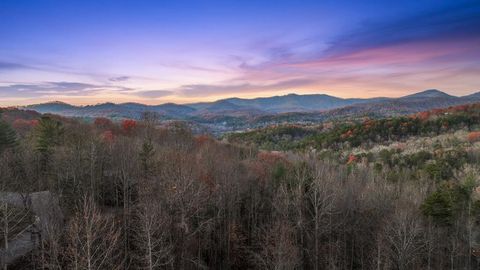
341	134
396	193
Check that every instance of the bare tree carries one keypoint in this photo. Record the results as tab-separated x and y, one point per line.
151	237
150	228
92	239
404	236
320	199
15	217
279	250
14	221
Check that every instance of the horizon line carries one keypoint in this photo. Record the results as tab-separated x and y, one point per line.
232	97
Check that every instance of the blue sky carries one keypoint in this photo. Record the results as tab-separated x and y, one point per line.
86	52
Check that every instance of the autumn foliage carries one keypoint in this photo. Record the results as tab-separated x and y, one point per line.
102	122
108	136
157	196
272	157
347	134
23	126
352	159
129	125
202	139
473	136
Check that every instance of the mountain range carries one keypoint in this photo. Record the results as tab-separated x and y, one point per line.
291	103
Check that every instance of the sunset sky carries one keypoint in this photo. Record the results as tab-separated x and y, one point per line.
92	51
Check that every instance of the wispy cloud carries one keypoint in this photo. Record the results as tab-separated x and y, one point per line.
119	79
154	93
11	66
199	90
387	53
434	45
47	89
457	22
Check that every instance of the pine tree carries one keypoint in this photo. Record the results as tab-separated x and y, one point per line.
8	136
145	157
49	132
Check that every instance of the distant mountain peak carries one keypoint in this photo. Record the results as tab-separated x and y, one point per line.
57	102
132	103
170	104
430	93
104	104
240	107
473	95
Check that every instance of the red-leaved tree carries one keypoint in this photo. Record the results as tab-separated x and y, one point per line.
129	125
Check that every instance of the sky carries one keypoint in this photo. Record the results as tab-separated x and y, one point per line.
153	52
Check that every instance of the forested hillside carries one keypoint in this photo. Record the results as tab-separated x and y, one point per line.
364	131
396	193
236	114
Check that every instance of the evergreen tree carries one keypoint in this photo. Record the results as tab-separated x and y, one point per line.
8	136
49	132
146	155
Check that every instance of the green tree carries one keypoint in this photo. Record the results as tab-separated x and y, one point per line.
447	202
146	156
8	136
439	206
49	132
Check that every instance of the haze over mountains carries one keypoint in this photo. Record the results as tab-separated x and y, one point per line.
238	107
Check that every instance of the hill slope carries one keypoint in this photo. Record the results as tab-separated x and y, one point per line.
238	114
